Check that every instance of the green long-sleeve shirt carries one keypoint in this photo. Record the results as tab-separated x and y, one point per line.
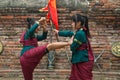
31	34
79	38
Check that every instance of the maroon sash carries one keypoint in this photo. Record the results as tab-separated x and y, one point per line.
87	46
82	47
28	42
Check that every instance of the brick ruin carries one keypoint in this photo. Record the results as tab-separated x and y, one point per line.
104	23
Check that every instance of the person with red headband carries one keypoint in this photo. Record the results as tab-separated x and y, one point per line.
82	55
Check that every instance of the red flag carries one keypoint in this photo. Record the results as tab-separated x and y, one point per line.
52	12
44	9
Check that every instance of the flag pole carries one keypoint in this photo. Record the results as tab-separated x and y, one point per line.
51	54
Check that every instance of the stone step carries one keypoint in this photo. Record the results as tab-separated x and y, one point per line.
55	74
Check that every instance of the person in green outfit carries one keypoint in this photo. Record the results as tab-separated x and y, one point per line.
82	55
31	53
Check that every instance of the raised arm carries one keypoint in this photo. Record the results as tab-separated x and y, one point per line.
33	27
31	31
44	35
64	33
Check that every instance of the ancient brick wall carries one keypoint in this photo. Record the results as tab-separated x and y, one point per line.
104	23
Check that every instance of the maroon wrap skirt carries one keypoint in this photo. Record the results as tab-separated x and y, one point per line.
82	71
30	59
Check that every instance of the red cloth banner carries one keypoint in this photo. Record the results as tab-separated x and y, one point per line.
52	12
